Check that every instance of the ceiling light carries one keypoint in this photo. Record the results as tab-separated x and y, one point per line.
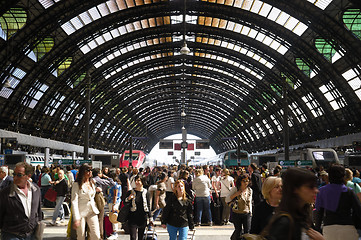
185	49
183	114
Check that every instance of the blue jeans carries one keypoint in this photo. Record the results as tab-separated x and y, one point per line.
183	232
156	213
59	210
203	205
9	236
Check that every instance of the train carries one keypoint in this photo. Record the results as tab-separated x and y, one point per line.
227	159
353	160
138	159
302	157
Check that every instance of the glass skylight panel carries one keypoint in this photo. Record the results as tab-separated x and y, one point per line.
322	4
313	105
268	126
353	78
276	122
297	111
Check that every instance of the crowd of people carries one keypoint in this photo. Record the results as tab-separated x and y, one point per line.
296	203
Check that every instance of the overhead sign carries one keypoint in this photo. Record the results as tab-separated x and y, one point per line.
287	163
202	144
166	144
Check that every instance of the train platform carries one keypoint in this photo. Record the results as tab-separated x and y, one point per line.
58	232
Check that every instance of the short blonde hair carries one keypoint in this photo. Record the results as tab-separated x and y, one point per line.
268	184
348	174
199	172
225	171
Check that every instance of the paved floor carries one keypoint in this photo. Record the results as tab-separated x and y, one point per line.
202	232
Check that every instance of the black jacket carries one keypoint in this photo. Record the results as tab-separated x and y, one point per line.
61	188
176	214
12	214
256	185
262	214
281	229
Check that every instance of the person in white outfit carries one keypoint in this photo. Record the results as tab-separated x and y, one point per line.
226	184
83	205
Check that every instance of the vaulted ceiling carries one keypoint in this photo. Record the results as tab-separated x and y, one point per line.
244	54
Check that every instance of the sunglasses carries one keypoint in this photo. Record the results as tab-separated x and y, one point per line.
18	175
89	170
245	180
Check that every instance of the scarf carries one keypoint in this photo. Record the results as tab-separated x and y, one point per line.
329	196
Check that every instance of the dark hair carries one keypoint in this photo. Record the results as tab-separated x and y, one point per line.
293	179
83	168
96	171
240	179
336	174
170	172
161	176
142	179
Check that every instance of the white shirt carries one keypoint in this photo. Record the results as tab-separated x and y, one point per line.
168	184
25	200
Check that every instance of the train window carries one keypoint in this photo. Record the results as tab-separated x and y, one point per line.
323	155
354	160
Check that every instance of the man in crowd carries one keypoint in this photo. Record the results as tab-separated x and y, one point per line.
20	208
5	179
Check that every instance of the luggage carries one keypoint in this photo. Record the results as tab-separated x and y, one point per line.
108	227
216	209
150	234
66	209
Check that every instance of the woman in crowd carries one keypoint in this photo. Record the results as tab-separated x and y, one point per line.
354	186
299	190
227	183
83	205
240	198
177	214
70	176
114	199
159	199
202	185
61	188
169	185
45	181
335	205
139	210
272	193
184	176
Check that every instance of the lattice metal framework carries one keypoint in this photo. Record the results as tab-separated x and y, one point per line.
230	85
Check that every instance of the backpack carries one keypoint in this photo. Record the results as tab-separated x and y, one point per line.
264	232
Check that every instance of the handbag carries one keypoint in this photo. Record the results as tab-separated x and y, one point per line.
99	200
50	195
39	231
124	213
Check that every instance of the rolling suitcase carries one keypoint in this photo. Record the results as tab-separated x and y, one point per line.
150	234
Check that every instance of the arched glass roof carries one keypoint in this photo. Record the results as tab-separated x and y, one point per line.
244	54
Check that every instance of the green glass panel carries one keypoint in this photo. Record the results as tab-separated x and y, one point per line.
64	65
12	21
252	108
43	47
277	89
303	67
79	79
325	48
288	80
352	20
